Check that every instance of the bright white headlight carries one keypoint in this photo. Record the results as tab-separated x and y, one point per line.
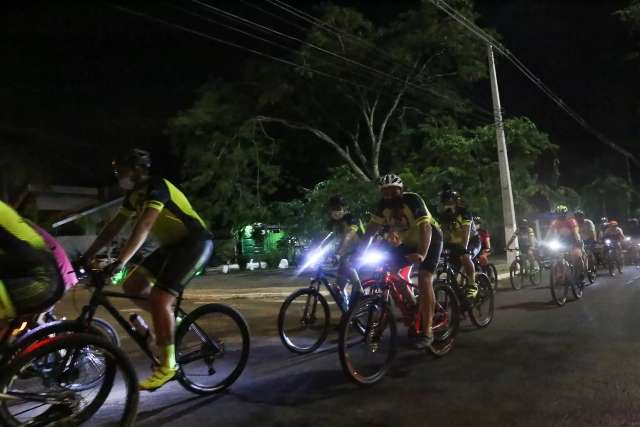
607	241
555	245
372	258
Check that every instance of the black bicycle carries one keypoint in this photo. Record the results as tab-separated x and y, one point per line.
304	319
481	308
524	268
44	383
212	342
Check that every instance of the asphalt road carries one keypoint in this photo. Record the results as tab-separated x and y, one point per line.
536	365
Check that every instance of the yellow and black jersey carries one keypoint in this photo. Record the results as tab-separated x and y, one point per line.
340	227
19	242
453	225
177	218
405	220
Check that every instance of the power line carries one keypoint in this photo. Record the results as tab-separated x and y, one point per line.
459	17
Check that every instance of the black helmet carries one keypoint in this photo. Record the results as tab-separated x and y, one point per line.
523	222
604	220
579	212
336	202
477	219
449	196
133	158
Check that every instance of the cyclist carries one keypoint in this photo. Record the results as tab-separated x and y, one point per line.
460	236
604	221
345	227
567	231
29	277
485	240
162	211
415	237
614	233
587	231
526	241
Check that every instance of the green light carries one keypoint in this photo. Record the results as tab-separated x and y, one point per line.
119	277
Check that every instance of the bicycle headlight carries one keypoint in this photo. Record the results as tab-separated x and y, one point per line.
555	245
372	258
607	241
315	257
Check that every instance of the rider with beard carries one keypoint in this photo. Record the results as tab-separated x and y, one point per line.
460	236
161	210
415	238
344	227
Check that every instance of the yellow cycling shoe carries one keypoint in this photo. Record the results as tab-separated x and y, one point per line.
158	378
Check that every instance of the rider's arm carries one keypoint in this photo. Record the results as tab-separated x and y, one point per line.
139	234
425	238
346	242
620	234
107	234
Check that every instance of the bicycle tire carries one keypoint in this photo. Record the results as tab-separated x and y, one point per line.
188	322
559	288
515	275
486	294
118	360
535	274
493	275
444	338
351	318
315	296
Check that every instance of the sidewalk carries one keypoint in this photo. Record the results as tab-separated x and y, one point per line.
273	284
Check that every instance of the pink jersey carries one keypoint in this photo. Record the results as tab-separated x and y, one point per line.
64	264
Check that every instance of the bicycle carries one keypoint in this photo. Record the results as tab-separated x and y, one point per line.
489	269
39	384
367	342
481	308
307	326
563	275
228	347
524	268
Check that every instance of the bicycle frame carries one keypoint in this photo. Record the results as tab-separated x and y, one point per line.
100	298
320	277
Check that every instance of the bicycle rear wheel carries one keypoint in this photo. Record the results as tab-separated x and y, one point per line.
535	272
303	322
212	348
483	305
37	387
365	355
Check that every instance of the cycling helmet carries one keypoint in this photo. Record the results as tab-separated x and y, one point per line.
524	222
604	220
477	220
633	221
133	158
449	196
390	180
336	202
579	212
562	209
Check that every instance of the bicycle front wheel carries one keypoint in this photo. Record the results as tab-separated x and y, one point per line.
366	353
516	275
37	387
212	348
303	322
558	283
483	306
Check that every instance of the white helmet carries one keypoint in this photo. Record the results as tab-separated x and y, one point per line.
390	180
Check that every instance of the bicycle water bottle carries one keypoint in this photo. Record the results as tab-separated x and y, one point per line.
140	326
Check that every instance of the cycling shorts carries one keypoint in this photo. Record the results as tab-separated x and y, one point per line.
171	267
432	258
31	291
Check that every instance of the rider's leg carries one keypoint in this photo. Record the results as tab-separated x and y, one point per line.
161	304
470	273
427	301
138	284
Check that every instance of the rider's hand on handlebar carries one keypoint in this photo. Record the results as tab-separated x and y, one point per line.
113	268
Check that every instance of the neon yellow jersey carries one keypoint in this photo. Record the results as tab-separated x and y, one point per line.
17	237
406	220
177	218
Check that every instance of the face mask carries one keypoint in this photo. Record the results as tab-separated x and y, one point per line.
126	183
450	209
337	215
395	203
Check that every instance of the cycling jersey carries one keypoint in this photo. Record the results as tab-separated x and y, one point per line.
526	237
587	230
565	228
177	219
405	220
453	225
29	281
485	238
614	233
19	243
341	227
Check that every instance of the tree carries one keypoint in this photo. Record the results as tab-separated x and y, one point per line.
391	79
228	161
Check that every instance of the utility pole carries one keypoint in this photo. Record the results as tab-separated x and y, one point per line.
630	182
508	211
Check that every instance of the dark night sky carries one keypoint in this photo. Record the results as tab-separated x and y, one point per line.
87	78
